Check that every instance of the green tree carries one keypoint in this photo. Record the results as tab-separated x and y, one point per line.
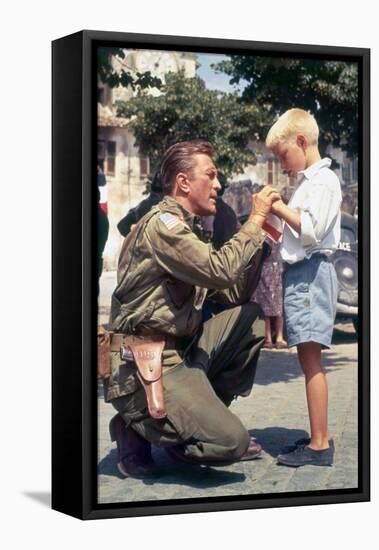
134	79
187	110
329	89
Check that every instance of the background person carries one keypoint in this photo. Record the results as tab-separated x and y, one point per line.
125	225
269	295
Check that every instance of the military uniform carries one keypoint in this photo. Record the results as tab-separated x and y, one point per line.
165	273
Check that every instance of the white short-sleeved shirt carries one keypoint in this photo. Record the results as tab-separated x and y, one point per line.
318	200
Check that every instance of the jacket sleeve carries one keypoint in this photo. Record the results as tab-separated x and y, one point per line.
180	253
125	224
241	292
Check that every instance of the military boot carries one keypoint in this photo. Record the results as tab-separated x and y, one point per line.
134	452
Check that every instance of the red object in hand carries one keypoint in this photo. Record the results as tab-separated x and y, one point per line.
273	227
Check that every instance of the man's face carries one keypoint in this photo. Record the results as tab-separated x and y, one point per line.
203	185
291	156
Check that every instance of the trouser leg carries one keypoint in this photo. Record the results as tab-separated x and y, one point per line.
228	350
198	424
221	364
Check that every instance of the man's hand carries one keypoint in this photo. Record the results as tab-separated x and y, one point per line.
262	204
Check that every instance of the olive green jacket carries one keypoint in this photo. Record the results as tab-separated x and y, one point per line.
165	272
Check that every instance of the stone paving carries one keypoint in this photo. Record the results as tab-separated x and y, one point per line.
275	413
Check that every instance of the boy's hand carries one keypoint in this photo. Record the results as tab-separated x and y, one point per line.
289	215
262	204
277	207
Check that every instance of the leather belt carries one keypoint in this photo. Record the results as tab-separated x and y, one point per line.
171	342
287	265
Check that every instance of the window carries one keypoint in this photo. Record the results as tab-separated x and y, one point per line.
346	176
101	153
106	156
110	167
144	166
355	170
350	171
347	235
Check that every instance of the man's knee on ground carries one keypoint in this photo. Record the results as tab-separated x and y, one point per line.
236	442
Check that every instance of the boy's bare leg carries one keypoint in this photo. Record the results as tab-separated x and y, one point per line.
309	355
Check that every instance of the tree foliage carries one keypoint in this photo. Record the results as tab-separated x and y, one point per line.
134	79
328	89
186	110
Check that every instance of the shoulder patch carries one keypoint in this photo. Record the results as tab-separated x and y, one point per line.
170	220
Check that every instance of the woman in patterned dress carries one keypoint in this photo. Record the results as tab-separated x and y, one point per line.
269	296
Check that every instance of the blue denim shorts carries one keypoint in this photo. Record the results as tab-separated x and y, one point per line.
310	299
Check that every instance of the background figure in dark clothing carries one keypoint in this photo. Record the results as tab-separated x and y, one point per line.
225	222
102	188
136	213
102	236
101	179
225	225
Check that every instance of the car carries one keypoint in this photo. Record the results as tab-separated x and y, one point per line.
345	261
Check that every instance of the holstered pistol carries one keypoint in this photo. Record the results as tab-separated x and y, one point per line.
147	354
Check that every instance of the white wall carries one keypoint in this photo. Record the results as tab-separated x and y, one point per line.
27	29
124	189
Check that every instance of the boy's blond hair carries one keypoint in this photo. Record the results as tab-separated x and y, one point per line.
289	125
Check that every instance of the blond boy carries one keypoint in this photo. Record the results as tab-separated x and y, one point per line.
311	234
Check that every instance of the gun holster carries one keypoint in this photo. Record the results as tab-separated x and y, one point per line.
146	352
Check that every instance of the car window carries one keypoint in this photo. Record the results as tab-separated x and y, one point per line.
347	235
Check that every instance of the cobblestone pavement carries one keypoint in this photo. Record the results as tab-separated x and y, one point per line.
275	413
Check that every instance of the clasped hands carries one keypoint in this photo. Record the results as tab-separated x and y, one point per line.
267	201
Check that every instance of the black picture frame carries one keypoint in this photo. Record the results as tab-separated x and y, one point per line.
74	390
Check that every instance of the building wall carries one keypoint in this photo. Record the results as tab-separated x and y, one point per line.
124	188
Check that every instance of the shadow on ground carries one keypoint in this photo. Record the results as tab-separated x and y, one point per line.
173	473
341	336
274	439
283	366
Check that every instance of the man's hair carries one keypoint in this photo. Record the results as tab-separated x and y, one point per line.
180	158
289	125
